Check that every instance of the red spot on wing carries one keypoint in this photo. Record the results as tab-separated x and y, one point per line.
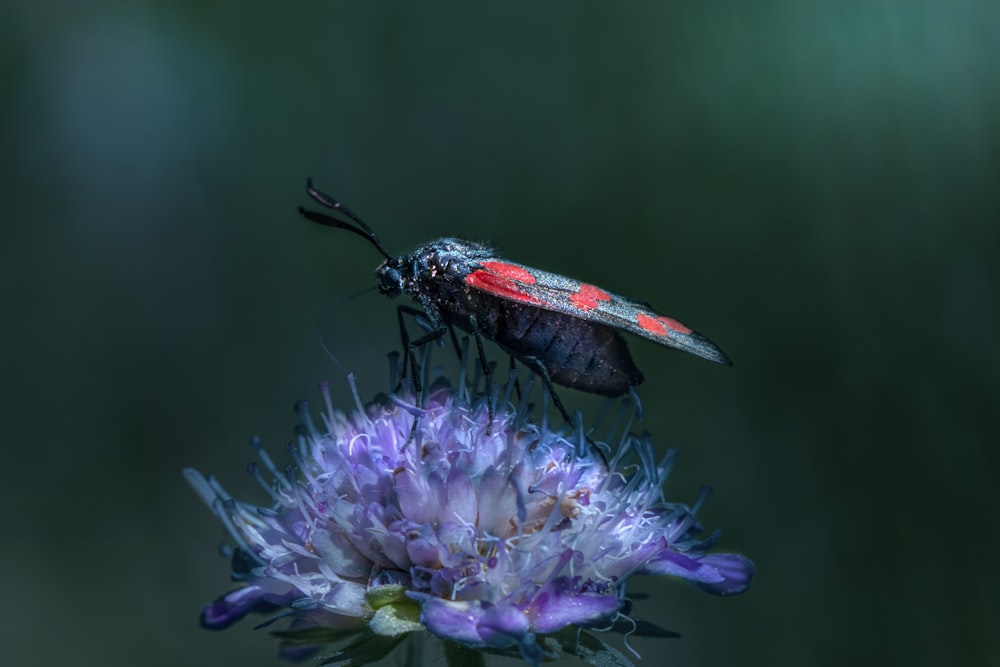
660	325
509	271
500	286
587	296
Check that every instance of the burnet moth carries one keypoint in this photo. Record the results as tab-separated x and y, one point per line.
564	330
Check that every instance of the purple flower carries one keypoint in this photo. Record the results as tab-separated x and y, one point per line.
498	539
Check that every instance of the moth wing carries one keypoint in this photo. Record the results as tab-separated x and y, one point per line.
552	291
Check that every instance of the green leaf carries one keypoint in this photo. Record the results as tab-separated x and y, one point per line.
397	619
316	635
362	651
385	595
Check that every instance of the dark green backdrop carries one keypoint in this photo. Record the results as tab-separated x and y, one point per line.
812	184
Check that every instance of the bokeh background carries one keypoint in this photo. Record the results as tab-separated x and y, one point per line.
814	185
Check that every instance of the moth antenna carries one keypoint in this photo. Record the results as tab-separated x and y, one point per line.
362	229
330	202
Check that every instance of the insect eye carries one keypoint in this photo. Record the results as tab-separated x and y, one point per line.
390	281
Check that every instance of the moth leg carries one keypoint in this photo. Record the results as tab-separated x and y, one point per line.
538	368
454	342
487	373
410	346
404	340
409	353
517	382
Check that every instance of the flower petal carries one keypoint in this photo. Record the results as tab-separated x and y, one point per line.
720	574
233	606
736	570
561	603
457	621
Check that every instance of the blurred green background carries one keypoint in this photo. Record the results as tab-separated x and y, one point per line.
814	185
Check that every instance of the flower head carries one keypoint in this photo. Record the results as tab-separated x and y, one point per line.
496	538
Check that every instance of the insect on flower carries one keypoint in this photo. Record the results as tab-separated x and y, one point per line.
564	330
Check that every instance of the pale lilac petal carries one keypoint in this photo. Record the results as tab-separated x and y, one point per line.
462	504
736	572
457	621
562	603
503	625
720	574
236	604
339	554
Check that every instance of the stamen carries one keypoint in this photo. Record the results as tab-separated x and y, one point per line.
254	471
265	458
223	510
